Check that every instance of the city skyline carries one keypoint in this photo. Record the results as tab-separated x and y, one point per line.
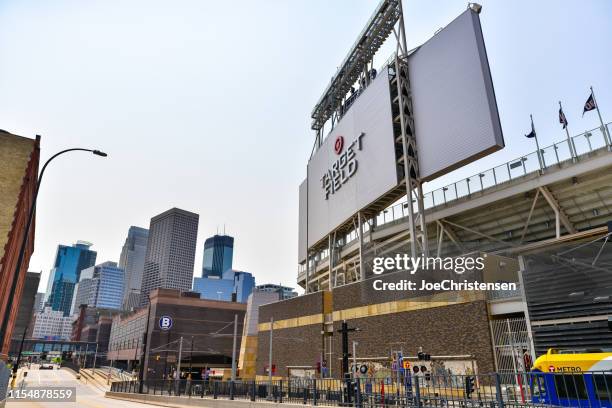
444	209
146	127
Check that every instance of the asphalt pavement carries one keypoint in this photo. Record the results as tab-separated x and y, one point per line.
87	394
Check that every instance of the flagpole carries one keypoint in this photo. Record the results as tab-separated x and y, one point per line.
535	136
569	139
603	127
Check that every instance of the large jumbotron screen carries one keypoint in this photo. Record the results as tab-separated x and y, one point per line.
455	112
456	122
355	164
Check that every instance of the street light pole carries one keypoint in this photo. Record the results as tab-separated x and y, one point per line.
24	243
354	370
234	348
141	376
270	398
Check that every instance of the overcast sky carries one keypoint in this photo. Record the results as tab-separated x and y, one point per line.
205	105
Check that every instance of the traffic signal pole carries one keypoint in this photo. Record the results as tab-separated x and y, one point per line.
345	358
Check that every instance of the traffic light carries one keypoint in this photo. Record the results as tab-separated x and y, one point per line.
469	386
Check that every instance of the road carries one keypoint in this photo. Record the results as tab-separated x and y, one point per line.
87	396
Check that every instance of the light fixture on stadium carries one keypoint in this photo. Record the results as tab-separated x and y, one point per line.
377	30
476	8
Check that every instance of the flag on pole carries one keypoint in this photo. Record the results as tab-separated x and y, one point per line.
532	134
589	105
562	118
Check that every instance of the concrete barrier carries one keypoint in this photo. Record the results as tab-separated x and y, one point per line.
180	402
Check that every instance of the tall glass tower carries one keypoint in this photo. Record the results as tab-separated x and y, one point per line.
132	261
218	253
170	252
100	286
69	262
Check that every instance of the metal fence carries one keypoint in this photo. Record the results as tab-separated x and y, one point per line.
551	156
512	346
532	389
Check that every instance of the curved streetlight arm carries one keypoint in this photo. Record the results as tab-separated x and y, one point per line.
42	172
24	242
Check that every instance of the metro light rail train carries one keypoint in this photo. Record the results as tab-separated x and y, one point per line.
572	379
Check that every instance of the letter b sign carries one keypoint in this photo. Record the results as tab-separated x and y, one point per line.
165	322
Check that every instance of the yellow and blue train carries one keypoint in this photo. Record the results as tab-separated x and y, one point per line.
571	379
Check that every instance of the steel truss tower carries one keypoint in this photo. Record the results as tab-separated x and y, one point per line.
387	19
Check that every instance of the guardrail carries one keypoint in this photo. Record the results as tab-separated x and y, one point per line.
527	389
550	156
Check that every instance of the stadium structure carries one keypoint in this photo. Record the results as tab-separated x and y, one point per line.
543	218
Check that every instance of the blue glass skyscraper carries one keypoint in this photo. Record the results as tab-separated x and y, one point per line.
237	285
244	283
218	253
214	289
69	262
100	286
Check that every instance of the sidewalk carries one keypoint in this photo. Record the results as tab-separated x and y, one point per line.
181	402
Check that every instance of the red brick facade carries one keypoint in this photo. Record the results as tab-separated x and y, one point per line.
10	252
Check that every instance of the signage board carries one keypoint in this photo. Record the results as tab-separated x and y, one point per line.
355	164
455	112
165	322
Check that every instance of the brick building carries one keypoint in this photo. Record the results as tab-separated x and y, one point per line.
19	158
206	327
451	326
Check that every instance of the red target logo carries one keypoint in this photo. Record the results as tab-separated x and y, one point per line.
339	144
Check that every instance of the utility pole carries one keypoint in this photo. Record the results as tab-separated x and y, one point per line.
166	354
270	360
110	369
345	347
85	355
178	364
190	359
95	358
143	355
234	348
345	359
355	358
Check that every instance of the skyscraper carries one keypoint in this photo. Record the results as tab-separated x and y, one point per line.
39	302
170	252
132	262
244	283
27	304
234	285
218	253
99	286
69	262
